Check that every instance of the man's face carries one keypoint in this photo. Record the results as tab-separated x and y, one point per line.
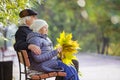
32	18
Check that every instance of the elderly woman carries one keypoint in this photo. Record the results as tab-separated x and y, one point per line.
47	61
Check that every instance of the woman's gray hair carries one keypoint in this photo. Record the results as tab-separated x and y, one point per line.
22	21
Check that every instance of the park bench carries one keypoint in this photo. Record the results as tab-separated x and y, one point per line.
32	74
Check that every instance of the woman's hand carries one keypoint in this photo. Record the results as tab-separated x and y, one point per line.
59	49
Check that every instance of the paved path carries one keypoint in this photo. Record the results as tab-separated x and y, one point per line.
99	67
92	66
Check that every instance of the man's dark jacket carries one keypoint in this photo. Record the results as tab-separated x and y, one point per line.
20	38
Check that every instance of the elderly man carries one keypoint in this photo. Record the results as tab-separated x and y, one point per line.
27	16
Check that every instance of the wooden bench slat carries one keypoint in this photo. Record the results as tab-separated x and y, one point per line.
25	55
43	76
61	74
52	74
35	77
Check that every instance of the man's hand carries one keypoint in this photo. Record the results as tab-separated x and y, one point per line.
34	48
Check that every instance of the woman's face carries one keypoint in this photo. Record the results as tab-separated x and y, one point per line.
44	30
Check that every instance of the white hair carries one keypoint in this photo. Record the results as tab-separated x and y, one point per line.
22	21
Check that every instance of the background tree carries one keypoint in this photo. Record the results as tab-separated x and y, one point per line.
95	24
9	9
92	22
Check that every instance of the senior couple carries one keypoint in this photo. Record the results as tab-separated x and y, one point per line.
32	37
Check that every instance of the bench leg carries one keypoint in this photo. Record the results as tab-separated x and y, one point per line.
59	78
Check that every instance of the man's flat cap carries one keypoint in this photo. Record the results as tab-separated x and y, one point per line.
27	12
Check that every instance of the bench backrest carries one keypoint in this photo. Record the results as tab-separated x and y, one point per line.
23	57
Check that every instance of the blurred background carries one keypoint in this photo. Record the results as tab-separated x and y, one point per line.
95	24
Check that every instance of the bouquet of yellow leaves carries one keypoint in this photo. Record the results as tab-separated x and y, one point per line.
69	48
